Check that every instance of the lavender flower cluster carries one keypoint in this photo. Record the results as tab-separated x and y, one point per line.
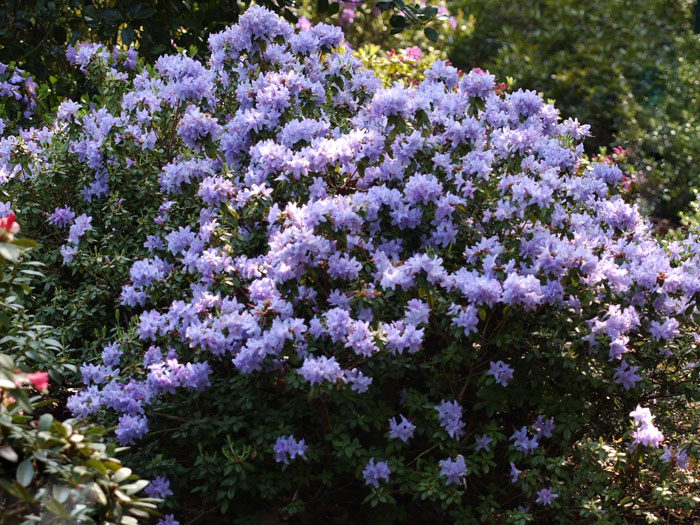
354	220
18	87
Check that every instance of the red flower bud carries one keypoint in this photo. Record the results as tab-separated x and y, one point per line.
39	380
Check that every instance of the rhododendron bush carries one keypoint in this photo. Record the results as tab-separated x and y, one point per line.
337	299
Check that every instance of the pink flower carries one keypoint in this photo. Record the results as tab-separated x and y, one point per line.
39	380
8	227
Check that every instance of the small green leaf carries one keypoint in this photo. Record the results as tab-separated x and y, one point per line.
430	34
61	493
22	400
56	508
95	491
98	466
9	454
121	474
45	422
25	472
133	488
25	243
128	35
398	21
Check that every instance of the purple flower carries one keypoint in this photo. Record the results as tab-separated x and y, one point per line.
477	83
545	496
358	381
67	109
501	372
159	488
525	291
645	432
417	312
215	190
111	355
195	126
626	375
543	426
482	443
450	414
62	217
131	428
317	370
403	431
453	469
287	448
522	443
375	472
465	317
514	473
79	227
68	251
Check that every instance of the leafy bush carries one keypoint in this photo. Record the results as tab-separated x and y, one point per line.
51	471
410	303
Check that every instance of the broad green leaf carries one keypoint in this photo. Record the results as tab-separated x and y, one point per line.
25	472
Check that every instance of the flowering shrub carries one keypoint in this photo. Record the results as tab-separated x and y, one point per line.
333	294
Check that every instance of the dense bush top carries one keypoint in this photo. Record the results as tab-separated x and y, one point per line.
413	298
627	68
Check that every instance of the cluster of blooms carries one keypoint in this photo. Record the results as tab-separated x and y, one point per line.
287	448
373	472
353	238
159	488
453	470
18	87
645	432
678	456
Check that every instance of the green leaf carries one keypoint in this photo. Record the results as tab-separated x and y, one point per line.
61	493
128	35
121	474
398	21
430	34
25	243
25	472
18	491
111	16
133	488
9	252
6	383
22	400
95	491
322	6
56	508
98	466
8	453
45	422
333	8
